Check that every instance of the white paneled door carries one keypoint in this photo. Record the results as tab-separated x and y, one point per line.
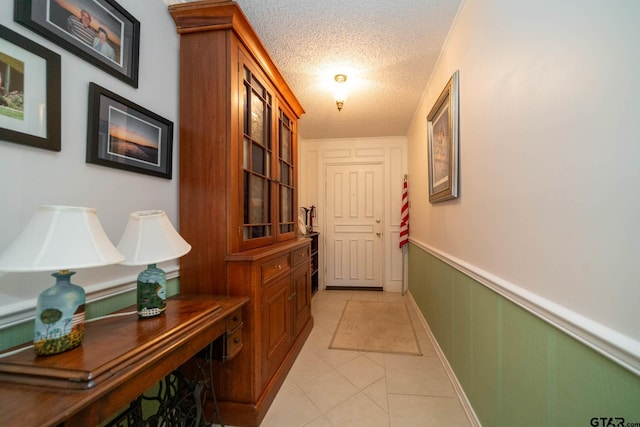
354	217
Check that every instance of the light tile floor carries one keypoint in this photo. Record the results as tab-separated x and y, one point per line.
339	388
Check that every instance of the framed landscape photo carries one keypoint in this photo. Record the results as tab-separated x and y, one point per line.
442	126
126	136
29	92
99	31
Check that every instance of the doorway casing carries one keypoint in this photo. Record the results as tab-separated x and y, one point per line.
391	154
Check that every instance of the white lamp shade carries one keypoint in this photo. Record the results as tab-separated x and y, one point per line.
149	238
60	238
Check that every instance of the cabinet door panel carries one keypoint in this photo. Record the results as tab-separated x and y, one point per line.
257	158
276	325
301	298
286	177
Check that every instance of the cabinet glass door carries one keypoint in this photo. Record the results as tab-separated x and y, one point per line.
286	185
257	157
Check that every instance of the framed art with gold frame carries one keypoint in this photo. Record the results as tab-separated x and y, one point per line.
443	134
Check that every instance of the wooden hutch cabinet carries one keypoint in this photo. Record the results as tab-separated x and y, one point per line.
238	199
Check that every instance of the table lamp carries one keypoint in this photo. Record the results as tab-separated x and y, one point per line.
149	238
60	238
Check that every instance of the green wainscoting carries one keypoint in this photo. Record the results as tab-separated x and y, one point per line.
515	368
23	332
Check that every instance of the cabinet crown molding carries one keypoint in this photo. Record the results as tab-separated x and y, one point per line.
211	15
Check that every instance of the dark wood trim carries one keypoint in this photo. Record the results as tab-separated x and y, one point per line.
355	288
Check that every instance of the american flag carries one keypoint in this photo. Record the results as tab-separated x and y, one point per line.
404	215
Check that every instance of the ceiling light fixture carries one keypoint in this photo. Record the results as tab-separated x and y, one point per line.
340	93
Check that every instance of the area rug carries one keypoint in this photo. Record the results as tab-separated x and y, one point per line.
383	327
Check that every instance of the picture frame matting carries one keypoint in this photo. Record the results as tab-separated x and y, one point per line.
30	94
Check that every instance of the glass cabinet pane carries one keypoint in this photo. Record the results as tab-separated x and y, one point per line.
286	210
246	150
257	118
285	143
257	214
257	159
285	178
256	200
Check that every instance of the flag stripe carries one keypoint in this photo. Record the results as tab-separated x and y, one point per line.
404	216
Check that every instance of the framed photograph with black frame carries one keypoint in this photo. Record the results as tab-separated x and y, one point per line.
124	135
29	92
99	31
442	125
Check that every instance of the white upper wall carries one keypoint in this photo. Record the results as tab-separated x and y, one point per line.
30	177
549	150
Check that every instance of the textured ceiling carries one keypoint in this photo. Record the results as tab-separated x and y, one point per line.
387	48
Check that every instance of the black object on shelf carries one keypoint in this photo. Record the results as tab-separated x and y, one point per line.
314	261
309	214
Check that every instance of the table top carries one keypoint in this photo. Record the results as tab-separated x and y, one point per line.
120	356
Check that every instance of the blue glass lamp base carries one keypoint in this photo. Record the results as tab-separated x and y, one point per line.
151	292
59	322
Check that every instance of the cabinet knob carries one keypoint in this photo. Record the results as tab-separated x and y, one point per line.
236	340
235	318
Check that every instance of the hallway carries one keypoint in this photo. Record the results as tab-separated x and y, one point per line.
338	388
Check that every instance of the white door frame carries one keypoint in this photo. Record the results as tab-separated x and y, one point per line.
392	153
378	237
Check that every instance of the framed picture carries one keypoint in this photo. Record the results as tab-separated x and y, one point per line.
124	135
99	31
29	92
442	125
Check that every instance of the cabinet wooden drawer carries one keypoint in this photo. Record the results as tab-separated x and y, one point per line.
229	343
275	267
300	255
234	320
233	343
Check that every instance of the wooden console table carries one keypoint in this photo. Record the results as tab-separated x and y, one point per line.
119	359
